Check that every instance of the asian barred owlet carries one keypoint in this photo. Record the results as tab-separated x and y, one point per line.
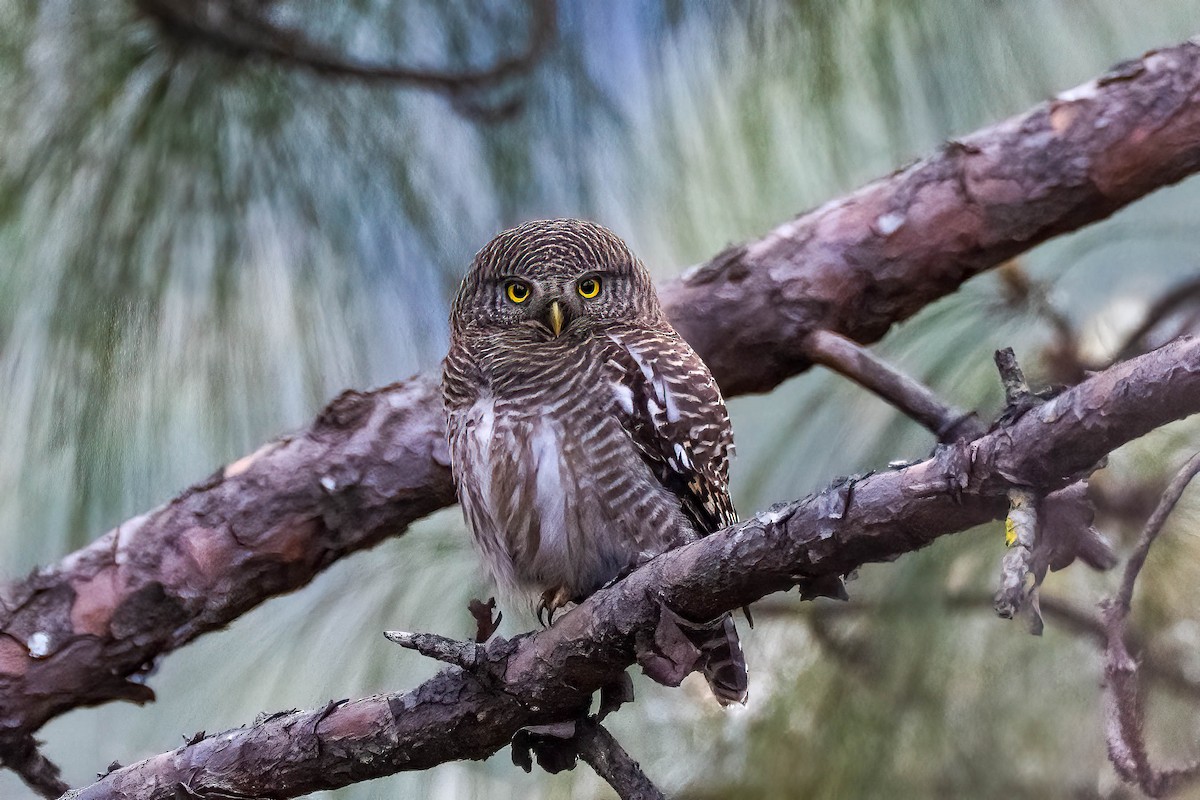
586	436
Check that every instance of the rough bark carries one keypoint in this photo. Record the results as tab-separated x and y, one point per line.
604	754
546	677
79	632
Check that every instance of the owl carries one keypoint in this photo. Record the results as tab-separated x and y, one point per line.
585	435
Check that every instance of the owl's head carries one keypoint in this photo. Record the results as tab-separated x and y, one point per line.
554	277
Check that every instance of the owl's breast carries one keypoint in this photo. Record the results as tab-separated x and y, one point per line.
553	487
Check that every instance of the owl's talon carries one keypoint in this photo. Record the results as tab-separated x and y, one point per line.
552	600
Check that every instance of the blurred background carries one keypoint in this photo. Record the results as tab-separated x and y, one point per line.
200	248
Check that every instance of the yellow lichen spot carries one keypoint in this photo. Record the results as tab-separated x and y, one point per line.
1010	532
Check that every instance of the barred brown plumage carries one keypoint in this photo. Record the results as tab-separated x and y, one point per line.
586	436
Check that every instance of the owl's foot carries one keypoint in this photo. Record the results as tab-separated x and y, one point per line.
552	600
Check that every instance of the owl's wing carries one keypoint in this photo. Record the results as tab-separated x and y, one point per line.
676	417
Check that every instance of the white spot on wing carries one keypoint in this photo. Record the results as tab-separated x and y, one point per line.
647	371
681	454
624	397
668	400
658	385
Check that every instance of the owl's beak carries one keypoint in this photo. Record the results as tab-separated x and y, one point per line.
555	317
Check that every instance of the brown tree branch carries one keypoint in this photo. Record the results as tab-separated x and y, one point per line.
1154	526
1065	531
549	676
1124	712
859	264
907	394
74	634
604	754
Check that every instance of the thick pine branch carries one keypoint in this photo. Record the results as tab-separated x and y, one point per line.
72	634
549	676
859	264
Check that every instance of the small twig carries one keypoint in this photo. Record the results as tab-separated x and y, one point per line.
860	365
39	773
467	655
1153	527
1015	387
1174	300
1063	356
605	755
1124	712
1018	583
1043	533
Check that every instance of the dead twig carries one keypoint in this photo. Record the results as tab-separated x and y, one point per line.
604	754
1012	377
467	655
1124	710
1175	301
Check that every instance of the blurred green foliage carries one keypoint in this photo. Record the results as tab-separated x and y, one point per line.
199	250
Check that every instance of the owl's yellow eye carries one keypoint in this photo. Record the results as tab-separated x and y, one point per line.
517	292
589	288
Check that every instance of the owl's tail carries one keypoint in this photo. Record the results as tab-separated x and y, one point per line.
723	663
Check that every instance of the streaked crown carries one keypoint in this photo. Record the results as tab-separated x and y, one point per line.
556	276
